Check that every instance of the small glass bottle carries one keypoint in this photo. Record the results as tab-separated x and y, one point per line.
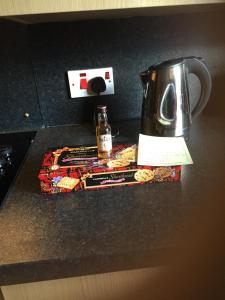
103	133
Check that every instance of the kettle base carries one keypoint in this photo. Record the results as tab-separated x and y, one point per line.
164	132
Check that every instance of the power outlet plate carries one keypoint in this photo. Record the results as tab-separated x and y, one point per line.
76	78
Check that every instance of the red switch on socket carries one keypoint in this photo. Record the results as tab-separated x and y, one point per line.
107	76
83	84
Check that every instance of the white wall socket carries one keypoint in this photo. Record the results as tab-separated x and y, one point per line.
78	81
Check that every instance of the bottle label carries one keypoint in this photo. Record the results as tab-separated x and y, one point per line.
105	142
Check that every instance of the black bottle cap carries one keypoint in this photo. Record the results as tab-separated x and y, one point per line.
102	108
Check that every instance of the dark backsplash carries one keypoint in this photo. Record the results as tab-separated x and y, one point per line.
34	60
17	85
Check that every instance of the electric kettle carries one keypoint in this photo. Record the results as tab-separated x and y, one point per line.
166	109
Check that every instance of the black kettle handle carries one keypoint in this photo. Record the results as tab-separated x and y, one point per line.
196	66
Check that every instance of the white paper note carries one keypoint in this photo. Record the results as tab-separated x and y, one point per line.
162	151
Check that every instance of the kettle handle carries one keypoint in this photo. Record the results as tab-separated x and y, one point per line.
196	66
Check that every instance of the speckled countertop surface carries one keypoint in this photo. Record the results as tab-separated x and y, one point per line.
46	237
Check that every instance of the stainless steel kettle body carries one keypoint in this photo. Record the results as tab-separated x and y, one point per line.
166	104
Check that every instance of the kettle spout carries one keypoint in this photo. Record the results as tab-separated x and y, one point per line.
144	78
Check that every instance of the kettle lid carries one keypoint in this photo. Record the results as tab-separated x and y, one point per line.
168	63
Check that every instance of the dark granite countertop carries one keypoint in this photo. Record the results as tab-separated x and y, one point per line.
46	237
